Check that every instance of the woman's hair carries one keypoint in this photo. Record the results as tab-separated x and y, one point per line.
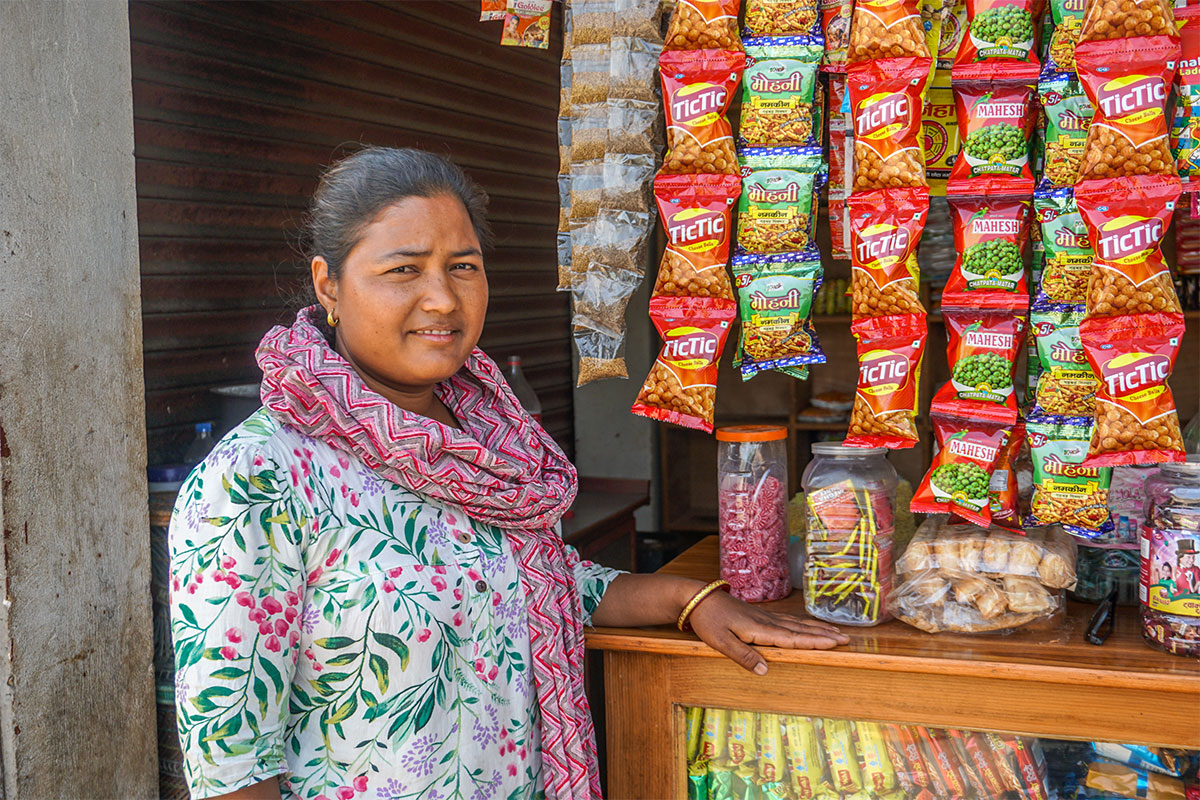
354	190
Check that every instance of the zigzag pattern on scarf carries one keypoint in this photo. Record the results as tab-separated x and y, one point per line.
502	469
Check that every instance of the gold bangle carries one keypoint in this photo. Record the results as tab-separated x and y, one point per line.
696	600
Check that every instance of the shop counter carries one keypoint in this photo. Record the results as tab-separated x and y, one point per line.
1046	683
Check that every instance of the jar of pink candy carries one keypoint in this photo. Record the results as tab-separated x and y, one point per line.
850	497
752	497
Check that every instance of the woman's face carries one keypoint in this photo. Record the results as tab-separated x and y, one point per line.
411	296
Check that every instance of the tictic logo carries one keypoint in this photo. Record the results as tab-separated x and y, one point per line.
1129	238
697	230
689	347
882	372
972	449
698	104
880	246
1132	99
1136	376
882	115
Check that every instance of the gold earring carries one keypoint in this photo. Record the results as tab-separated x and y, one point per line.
332	320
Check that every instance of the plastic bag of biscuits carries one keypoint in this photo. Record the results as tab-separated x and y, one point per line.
698	87
954	576
682	385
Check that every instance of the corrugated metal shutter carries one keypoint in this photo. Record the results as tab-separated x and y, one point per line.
237	106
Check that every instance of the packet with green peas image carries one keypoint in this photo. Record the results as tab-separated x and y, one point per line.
991	238
995	123
960	476
983	349
1000	42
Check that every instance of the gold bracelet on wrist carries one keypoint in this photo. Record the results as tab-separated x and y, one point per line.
696	600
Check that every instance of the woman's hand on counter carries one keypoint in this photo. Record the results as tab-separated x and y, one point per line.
730	626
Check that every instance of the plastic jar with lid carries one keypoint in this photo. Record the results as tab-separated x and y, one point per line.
752	498
1170	559
850	498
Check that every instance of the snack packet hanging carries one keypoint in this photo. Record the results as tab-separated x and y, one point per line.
835	25
991	238
775	303
1185	126
1104	20
1128	82
1002	489
940	138
1136	421
1000	42
958	481
995	123
777	211
782	18
601	353
1068	115
886	29
1068	22
1067	386
983	350
696	212
1127	219
885	229
890	350
954	28
779	92
1068	265
698	87
704	25
1065	492
682	385
885	104
527	24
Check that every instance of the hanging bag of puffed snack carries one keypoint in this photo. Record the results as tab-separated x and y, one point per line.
1065	492
775	303
704	25
1000	42
1003	492
1127	81
682	385
885	104
1068	22
782	18
983	349
1067	386
885	29
890	350
778	92
527	24
1068	115
995	123
696	213
1069	254
1105	20
1185	128
698	87
777	212
958	481
991	238
1136	421
1127	219
885	229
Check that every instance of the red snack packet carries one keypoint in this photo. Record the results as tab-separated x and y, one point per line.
919	769
1003	490
889	374
991	238
958	479
704	25
698	86
1128	82
695	211
1126	220
885	104
1136	420
990	48
983	350
943	762
491	10
1005	760
886	29
682	385
956	741
995	122
1031	766
980	756
885	229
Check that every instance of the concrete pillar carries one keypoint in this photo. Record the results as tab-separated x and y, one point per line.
76	689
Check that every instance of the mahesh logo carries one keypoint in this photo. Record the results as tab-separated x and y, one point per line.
690	348
1132	98
881	115
976	451
1129	238
696	229
1134	373
698	104
881	245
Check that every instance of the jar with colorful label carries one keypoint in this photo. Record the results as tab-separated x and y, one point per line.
1170	549
753	522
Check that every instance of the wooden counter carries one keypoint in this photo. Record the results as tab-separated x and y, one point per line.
1043	683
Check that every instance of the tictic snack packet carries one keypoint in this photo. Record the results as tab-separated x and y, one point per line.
696	211
889	374
885	104
698	87
885	229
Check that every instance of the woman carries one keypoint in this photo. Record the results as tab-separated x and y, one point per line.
370	596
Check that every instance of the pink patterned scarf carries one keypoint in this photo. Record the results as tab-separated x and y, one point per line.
501	469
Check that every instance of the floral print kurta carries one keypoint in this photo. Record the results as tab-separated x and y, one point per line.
344	633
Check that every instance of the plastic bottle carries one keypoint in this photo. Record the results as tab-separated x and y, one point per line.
1170	576
201	446
521	388
752	500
